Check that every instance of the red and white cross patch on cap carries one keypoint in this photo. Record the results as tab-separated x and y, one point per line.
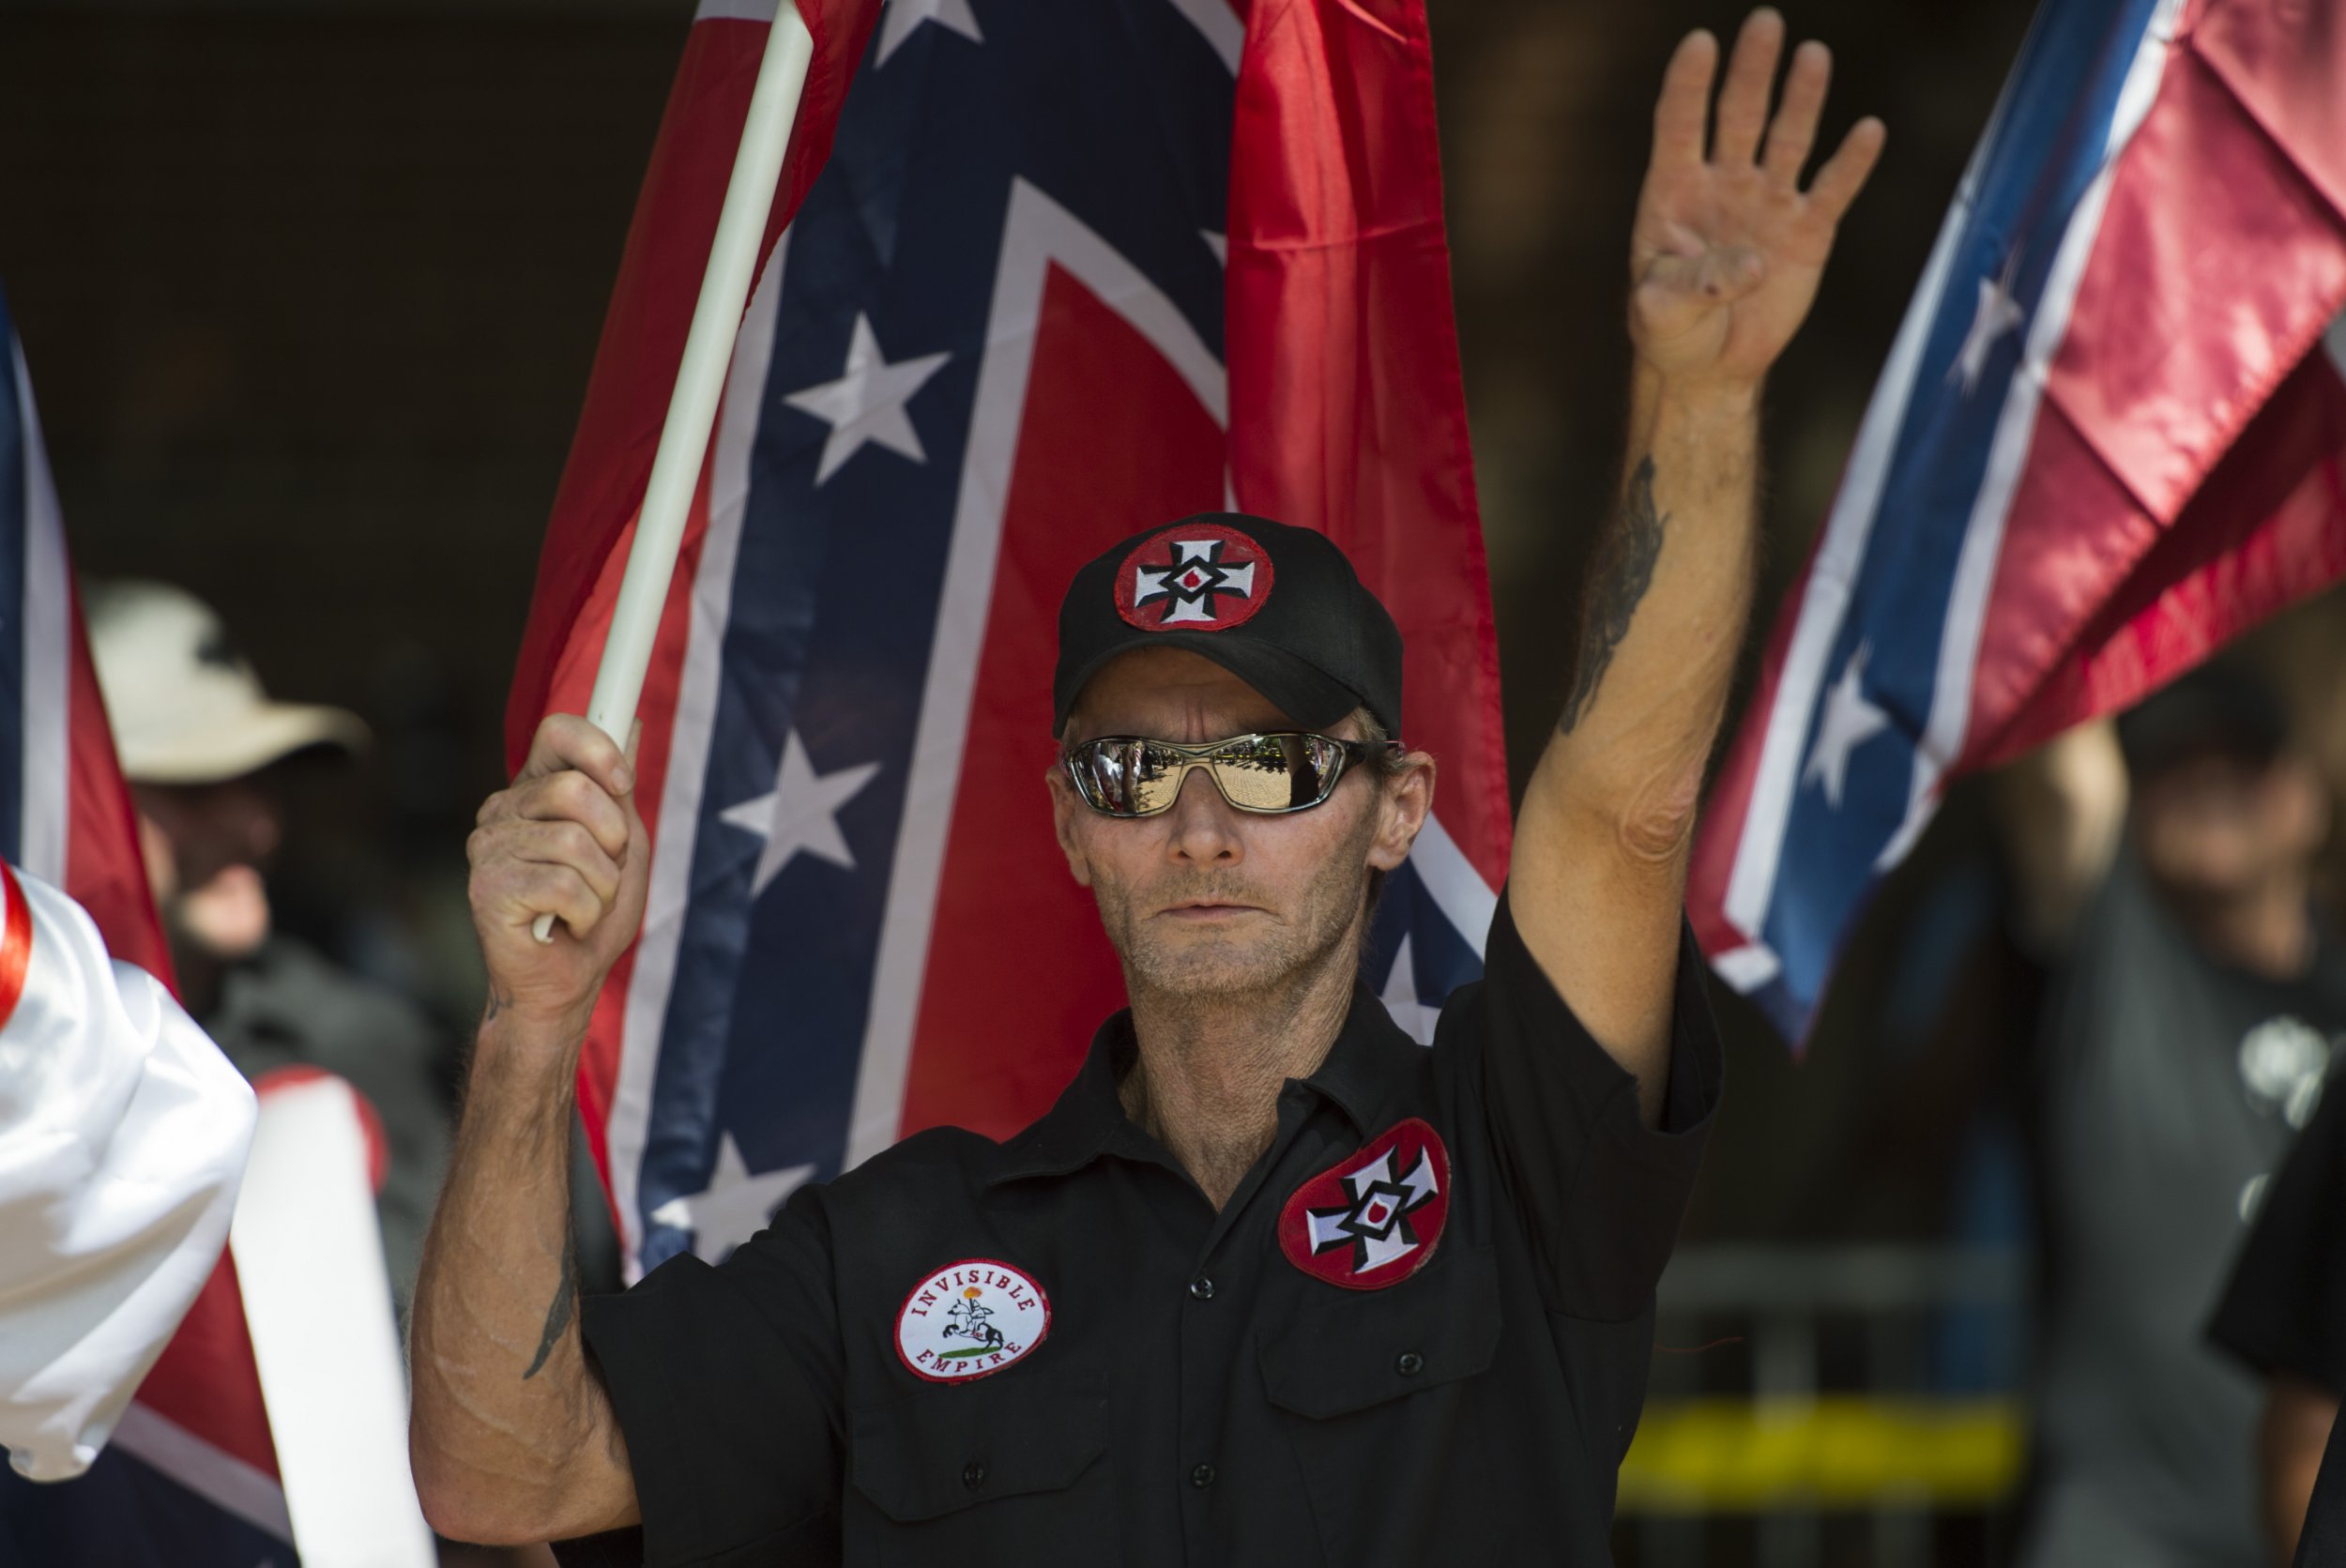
1372	1220
1199	577
970	1320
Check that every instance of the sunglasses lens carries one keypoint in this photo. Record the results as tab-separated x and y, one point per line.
1256	772
1125	778
1277	772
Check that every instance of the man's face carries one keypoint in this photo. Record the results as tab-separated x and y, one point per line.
2214	827
204	846
1205	900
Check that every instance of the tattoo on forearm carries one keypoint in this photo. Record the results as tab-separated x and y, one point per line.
558	1313
1618	577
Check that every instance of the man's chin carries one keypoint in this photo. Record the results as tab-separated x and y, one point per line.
226	919
1206	963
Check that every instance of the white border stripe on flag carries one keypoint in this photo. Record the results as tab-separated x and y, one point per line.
48	707
2016	433
214	1474
1458	890
1224	32
627	1129
1037	234
1825	601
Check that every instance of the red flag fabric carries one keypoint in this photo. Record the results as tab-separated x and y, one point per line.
1010	325
2109	438
651	309
1346	410
2193	421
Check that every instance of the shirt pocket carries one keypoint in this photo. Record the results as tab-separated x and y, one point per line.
1375	1388
1010	1462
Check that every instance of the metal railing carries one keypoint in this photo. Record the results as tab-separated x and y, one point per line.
1801	1390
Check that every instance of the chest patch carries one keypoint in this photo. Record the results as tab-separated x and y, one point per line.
1371	1220
971	1318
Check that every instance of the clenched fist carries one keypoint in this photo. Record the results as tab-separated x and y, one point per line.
564	838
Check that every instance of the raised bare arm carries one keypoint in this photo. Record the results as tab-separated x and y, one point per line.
512	1438
1724	263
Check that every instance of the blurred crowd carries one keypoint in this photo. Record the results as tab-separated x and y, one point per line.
212	760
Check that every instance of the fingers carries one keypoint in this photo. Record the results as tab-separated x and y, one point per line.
566	740
1794	130
1844	174
555	844
511	893
1682	113
565	797
1743	100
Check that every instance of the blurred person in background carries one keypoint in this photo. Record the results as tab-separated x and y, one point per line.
204	747
2284	1315
2164	872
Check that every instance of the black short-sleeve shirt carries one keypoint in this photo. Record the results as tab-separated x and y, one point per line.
1418	1331
2284	1309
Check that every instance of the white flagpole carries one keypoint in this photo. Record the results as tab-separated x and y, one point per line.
675	465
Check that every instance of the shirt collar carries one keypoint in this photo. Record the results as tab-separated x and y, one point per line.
1370	1058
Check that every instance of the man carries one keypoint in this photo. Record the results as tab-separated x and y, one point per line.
123	1134
202	742
2165	865
1271	1283
2284	1315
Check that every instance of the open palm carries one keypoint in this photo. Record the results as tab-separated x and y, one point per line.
1727	249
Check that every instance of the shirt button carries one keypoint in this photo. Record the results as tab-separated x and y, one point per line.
1408	1363
973	1475
1201	1289
1201	1476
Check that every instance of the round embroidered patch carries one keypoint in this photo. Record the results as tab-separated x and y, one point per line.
971	1318
1208	577
1374	1219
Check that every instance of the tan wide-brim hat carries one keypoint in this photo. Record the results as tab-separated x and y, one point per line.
186	707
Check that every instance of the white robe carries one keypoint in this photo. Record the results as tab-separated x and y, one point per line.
123	1134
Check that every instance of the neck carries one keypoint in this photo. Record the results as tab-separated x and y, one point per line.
1207	1080
198	974
2267	931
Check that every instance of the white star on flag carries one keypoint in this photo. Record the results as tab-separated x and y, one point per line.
735	1206
1401	999
1850	719
903	16
867	402
1996	314
800	812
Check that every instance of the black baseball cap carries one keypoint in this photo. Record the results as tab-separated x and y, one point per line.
2217	710
1280	607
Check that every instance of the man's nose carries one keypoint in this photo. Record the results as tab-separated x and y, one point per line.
1204	829
252	824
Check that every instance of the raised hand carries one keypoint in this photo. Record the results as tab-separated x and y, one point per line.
1727	249
563	837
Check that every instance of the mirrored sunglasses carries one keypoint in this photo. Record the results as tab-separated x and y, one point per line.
1123	775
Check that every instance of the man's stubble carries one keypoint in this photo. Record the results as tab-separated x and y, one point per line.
1302	933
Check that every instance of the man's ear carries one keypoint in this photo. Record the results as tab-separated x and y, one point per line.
1408	796
1065	805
